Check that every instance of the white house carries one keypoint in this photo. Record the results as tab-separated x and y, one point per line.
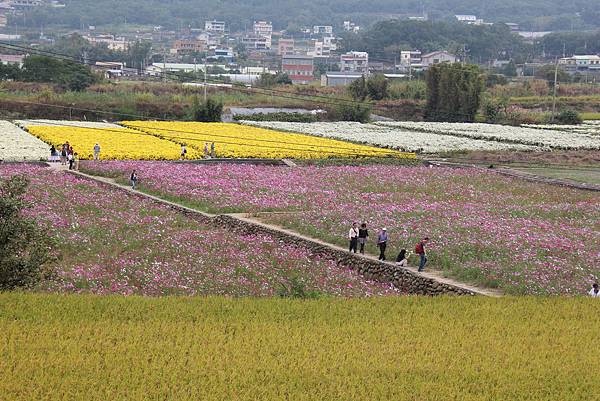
581	62
16	59
322	29
263	28
438	57
215	26
410	60
469	19
355	62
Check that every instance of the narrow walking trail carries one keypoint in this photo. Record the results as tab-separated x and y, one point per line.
246	218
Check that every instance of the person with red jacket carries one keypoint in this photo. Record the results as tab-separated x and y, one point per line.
420	250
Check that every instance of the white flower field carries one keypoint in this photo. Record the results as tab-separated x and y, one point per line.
18	145
442	137
389	137
549	138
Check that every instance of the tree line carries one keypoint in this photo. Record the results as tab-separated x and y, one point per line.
533	14
63	73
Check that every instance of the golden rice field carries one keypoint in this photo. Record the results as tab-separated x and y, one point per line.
240	141
115	143
57	347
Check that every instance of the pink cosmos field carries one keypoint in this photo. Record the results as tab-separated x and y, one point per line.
523	237
111	242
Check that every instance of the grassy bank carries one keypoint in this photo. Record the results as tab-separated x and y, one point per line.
130	348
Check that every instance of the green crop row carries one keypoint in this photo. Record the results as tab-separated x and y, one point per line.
55	347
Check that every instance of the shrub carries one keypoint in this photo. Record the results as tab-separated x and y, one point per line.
24	246
295	288
491	111
569	117
359	112
209	111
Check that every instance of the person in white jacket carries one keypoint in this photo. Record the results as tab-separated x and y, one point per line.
595	291
353	237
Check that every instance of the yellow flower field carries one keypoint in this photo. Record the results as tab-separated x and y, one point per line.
240	141
115	143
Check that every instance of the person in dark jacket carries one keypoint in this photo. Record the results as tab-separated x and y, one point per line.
133	179
402	259
363	234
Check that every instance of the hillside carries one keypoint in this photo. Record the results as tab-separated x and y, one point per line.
534	15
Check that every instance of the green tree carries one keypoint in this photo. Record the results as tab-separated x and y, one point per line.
453	92
138	54
9	72
359	112
510	69
377	87
25	248
547	72
209	111
67	74
358	89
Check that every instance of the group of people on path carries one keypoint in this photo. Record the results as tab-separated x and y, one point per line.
359	236
209	151
66	155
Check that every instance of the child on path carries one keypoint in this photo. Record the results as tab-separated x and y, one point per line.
420	250
133	178
363	234
353	237
402	259
70	160
382	240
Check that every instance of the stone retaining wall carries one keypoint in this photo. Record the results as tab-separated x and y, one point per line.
405	279
402	278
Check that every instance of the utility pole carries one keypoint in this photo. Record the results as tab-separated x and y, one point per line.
205	81
554	91
164	71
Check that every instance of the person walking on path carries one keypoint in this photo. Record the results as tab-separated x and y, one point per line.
212	150
595	291
183	152
71	160
206	150
133	178
353	237
382	240
363	234
53	154
63	154
96	152
420	250
402	259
